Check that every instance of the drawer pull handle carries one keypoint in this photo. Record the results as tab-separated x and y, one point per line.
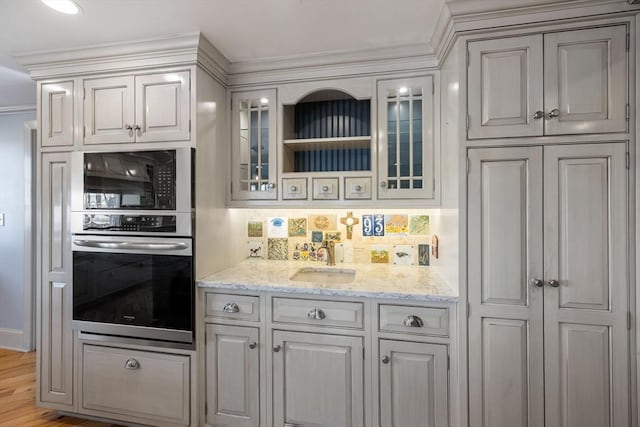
316	314
276	348
231	307
413	321
385	359
132	364
538	283
553	283
252	345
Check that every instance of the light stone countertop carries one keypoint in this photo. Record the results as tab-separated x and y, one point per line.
410	283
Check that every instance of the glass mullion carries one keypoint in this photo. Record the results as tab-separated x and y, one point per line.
410	140
259	171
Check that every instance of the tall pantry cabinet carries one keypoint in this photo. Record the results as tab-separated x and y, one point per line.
547	266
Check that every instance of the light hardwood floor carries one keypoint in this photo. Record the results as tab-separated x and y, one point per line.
18	393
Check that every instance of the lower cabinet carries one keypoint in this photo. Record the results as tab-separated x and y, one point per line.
413	390
318	380
135	385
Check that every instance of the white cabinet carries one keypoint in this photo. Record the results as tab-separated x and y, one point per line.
318	380
55	345
57	114
548	286
253	136
142	108
233	376
570	82
413	384
406	142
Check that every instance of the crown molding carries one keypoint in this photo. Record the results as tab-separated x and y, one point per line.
333	65
181	49
16	109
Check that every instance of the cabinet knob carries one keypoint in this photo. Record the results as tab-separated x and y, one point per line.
553	283
538	114
538	283
316	314
325	188
231	307
276	348
383	184
552	114
271	186
413	321
253	345
293	188
358	188
132	364
128	127
136	127
385	360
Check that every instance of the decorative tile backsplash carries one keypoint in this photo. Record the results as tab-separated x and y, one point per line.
360	236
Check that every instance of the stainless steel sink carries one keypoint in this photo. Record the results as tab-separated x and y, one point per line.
324	275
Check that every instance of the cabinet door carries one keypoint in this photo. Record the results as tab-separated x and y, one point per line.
163	107
57	114
55	349
505	87
413	385
317	380
233	380
505	308
406	147
254	145
108	110
585	79
586	236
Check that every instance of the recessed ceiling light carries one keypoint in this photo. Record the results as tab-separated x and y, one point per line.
264	100
403	89
65	6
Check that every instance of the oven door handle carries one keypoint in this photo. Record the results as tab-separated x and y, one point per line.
149	246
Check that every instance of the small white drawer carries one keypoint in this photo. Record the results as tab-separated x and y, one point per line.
357	188
228	306
325	189
318	312
415	320
294	188
142	384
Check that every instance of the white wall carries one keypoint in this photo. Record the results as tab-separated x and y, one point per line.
12	236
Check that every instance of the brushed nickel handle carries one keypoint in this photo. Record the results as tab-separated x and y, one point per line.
386	360
231	307
325	188
538	114
128	127
538	283
358	188
132	364
316	314
276	348
552	114
413	321
553	283
253	345
293	188
136	127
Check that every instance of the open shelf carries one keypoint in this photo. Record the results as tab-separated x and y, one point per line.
347	142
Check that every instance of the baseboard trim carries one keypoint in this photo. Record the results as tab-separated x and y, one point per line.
12	339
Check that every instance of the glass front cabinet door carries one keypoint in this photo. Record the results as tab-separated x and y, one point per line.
254	145
406	159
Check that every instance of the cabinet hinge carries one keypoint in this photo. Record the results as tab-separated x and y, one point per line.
206	409
628	160
468	309
628	41
84	131
84	94
468	58
448	362
468	165
362	353
468	121
628	112
433	186
629	320
189	125
433	87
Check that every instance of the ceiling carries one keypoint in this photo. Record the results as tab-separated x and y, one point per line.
243	30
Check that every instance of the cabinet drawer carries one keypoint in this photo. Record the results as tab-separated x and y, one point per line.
142	384
318	312
228	306
415	320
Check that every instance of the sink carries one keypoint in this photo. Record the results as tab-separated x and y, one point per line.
324	275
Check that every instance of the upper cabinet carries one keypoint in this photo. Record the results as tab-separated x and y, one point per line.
253	137
57	120
557	83
406	149
142	108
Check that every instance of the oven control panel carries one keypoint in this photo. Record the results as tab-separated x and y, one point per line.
129	223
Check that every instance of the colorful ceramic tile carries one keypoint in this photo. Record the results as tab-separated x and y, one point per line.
373	225
403	254
297	227
396	224
379	254
277	227
434	246
423	255
323	222
419	224
254	248
335	236
306	246
304	255
296	256
278	249
254	229
316	236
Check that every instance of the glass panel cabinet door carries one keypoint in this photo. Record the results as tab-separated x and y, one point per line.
406	158
254	145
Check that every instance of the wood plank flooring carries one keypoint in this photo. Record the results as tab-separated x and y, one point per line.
18	394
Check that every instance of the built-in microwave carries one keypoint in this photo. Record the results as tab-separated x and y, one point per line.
125	192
